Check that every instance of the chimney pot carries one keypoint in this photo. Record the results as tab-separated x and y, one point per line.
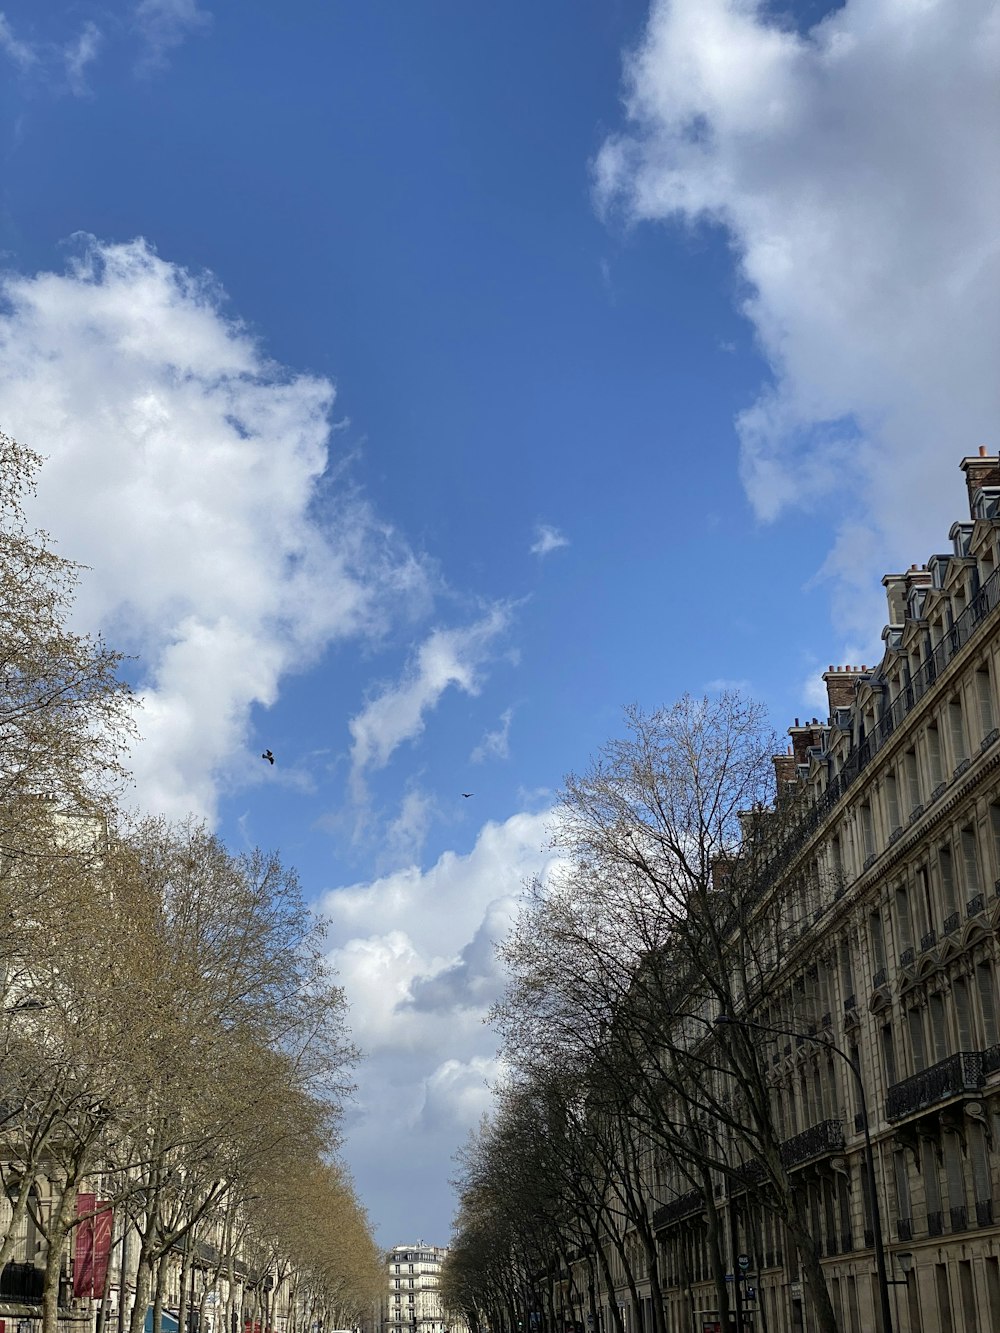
982	451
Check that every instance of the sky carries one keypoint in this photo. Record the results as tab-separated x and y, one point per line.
423	382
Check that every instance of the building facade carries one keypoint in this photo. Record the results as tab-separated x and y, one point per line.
891	897
413	1303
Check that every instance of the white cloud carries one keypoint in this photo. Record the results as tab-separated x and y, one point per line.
80	53
184	467
396	714
855	169
23	54
415	953
406	833
164	25
495	744
547	539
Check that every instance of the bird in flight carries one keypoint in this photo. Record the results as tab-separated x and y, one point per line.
268	756
467	794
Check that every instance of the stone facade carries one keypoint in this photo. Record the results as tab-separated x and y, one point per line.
892	899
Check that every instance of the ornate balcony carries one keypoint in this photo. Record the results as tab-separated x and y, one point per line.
879	979
928	941
974	905
952	923
21	1282
817	1141
948	1078
935	1224
683	1206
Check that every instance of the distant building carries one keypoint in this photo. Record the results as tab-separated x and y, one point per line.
414	1305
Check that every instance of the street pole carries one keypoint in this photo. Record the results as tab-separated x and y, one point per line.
880	1265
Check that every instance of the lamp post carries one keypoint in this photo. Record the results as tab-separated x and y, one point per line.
884	1281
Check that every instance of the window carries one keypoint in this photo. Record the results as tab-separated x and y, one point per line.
902	1181
878	942
892	801
946	866
912	776
904	931
867	831
888	1054
986	985
970	862
924	901
934	754
956	730
963	1014
939	1027
918	1050
984	698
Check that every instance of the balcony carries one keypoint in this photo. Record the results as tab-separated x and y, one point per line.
991	1060
959	1218
952	923
928	941
974	905
904	1228
879	979
906	957
935	1224
948	1078
984	1212
817	1141
22	1283
683	1206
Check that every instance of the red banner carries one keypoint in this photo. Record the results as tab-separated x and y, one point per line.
92	1247
102	1225
83	1249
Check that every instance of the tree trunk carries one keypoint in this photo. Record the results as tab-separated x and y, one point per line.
55	1237
161	1282
143	1282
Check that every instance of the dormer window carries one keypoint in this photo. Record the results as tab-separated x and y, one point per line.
986	503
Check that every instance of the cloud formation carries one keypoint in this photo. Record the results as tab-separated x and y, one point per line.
185	468
163	25
61	66
396	713
415	953
495	744
856	169
547	539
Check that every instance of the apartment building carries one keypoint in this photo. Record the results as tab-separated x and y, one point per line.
891	894
413	1304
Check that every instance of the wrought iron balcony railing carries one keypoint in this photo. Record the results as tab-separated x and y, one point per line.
683	1206
817	1141
948	1078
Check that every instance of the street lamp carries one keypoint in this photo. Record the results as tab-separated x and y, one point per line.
884	1281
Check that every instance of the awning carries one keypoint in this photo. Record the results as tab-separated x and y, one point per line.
168	1322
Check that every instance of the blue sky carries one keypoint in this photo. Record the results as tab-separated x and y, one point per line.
423	382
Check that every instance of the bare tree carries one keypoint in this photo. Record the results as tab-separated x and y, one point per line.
666	916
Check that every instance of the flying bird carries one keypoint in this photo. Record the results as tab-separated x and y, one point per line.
268	756
467	794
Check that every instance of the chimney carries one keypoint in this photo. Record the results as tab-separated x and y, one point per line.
784	769
840	682
982	470
895	596
803	739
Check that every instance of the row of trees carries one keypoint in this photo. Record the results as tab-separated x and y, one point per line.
624	1094
171	1039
